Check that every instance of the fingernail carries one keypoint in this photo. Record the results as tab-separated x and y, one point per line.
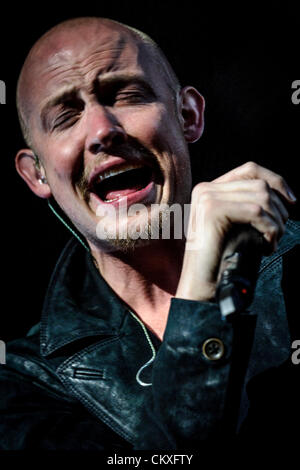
291	195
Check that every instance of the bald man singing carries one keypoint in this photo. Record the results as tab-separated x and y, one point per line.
131	351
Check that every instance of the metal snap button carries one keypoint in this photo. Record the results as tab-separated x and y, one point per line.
213	349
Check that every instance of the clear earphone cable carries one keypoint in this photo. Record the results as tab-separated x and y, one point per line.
68	226
139	381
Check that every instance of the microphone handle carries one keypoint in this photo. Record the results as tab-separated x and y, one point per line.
238	270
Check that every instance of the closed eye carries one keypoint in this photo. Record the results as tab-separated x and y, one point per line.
131	97
121	92
67	112
66	119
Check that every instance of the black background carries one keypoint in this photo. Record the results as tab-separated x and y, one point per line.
242	57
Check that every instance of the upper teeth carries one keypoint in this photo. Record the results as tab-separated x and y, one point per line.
117	171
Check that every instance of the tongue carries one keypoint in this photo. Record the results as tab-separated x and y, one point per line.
120	193
124	184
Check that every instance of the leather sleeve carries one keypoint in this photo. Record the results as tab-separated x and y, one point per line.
194	397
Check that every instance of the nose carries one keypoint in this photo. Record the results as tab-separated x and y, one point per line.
104	131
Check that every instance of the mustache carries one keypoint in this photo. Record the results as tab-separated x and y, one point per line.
131	151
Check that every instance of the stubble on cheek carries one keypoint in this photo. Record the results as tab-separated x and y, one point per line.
83	187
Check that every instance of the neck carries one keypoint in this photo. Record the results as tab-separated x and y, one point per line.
145	279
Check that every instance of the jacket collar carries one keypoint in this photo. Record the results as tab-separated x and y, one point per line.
102	376
78	303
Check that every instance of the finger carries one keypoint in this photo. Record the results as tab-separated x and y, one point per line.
242	190
211	214
254	185
251	170
280	206
269	202
263	221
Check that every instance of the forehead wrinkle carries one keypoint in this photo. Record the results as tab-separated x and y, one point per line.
100	76
68	90
113	54
59	37
80	71
121	75
111	46
52	43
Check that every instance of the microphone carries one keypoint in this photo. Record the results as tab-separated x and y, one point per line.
238	272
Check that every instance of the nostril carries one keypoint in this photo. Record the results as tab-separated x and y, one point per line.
118	138
96	146
113	137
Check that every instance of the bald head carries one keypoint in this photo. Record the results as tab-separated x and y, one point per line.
65	35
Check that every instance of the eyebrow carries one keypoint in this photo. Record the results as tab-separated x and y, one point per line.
110	78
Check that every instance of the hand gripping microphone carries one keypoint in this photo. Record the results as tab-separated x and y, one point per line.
239	268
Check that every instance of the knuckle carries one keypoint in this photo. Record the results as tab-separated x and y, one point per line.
265	198
204	200
208	203
261	186
255	210
250	167
278	183
206	196
199	189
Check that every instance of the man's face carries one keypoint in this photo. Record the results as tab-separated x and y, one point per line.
106	128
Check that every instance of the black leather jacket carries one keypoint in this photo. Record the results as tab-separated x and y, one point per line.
71	383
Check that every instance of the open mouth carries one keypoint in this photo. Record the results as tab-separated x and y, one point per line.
121	181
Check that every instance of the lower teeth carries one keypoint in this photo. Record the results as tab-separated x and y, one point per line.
110	200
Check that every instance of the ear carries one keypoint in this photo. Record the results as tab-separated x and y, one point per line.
32	172
192	113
